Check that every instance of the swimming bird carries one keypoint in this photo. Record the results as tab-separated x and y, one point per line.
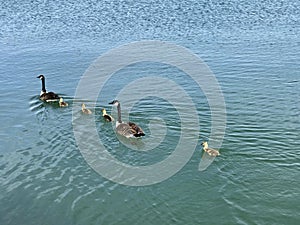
62	103
210	151
129	129
106	116
85	110
47	96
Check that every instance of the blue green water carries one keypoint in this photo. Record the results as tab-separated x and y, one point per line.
252	47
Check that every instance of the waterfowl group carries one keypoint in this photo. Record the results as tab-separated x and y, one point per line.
210	151
126	129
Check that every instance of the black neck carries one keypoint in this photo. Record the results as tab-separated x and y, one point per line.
43	85
119	113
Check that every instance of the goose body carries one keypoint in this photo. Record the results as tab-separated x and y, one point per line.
129	129
47	96
210	151
85	110
106	116
62	103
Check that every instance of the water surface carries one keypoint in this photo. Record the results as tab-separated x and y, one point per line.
252	47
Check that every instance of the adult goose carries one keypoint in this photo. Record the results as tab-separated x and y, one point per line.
210	151
47	96
129	129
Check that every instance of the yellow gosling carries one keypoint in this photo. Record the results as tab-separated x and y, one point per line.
85	110
106	116
62	103
210	151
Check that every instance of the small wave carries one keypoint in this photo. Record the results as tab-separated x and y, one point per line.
293	81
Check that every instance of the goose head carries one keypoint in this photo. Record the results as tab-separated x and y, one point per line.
41	77
114	102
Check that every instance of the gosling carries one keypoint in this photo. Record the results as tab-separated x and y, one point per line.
210	151
85	110
62	103
106	116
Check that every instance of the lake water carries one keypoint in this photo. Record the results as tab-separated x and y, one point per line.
252	47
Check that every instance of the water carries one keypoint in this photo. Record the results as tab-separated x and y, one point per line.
252	47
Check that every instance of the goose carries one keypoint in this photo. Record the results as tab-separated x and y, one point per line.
106	116
62	103
210	151
85	110
129	129
47	96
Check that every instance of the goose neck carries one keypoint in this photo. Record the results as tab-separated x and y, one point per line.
119	113
43	86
